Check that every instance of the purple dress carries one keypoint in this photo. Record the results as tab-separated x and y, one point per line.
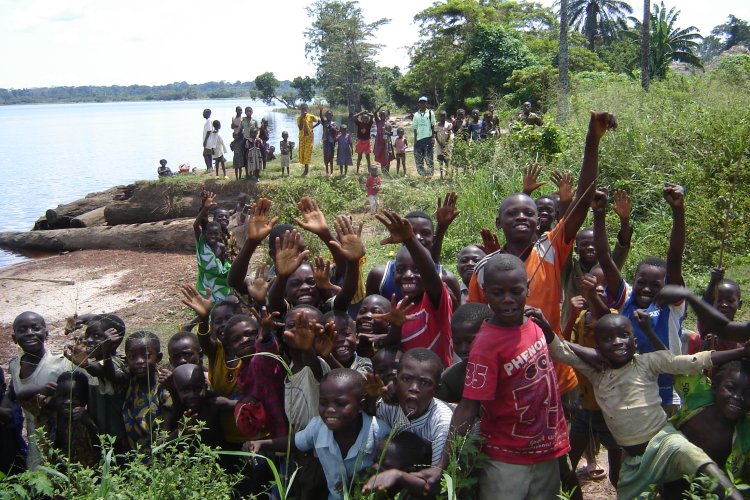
381	153
344	151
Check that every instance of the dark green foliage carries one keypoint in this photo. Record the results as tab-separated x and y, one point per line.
734	32
598	20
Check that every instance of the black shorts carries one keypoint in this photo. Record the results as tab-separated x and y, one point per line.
591	422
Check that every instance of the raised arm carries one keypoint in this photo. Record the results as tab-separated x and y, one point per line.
622	207
202	219
446	214
717	274
350	247
675	196
402	232
644	321
303	339
612	275
314	220
598	126
259	225
564	183
288	259
202	307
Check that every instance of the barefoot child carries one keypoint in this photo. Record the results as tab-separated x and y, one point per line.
306	122
363	120
211	252
330	132
219	150
286	147
401	144
344	150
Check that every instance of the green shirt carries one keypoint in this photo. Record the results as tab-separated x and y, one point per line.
424	123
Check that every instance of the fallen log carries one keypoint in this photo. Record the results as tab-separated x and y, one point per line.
90	219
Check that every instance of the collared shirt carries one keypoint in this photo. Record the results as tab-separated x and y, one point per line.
423	123
339	470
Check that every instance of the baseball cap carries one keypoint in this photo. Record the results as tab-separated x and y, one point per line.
423	98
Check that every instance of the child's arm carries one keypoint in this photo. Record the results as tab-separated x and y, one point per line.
259	225
644	321
402	232
349	246
202	219
530	176
711	319
577	304
596	303
395	480
288	259
314	220
202	307
564	183
598	126
622	207
446	214
275	445
396	317
675	196
612	275
717	274
463	418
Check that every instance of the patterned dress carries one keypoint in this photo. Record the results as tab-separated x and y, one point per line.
212	272
143	405
305	125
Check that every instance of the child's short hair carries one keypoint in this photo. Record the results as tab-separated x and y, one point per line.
503	262
182	335
304	307
162	162
149	337
741	365
334	315
213	225
400	129
413	452
235	307
237	318
15	321
80	383
107	321
423	355
351	376
472	313
277	231
733	284
418	214
216	124
651	261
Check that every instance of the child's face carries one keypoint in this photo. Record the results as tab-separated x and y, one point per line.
284	135
374	171
222	217
475	115
546	211
213	235
301	288
366	323
346	341
392	458
142	358
463	336
30	332
407	276
727	300
584	246
191	391
732	394
240	339
385	364
649	280
518	219
616	342
93	338
400	132
339	404
467	261
506	293
185	351
291	320
219	318
423	231
416	385
67	397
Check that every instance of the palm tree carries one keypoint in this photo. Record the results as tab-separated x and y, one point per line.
669	43
645	44
598	18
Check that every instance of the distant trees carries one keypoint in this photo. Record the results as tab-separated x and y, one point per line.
734	32
598	19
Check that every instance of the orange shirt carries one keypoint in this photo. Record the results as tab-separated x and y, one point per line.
544	266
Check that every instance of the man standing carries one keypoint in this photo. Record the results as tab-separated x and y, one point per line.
207	147
527	117
424	131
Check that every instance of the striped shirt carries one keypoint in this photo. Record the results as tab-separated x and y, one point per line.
432	425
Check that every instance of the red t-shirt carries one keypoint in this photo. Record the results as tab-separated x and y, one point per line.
510	371
373	186
431	328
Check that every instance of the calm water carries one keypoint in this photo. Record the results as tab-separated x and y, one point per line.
57	153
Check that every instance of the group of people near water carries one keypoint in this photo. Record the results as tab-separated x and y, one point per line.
537	350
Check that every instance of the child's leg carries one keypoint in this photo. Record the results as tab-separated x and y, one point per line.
367	155
224	167
359	161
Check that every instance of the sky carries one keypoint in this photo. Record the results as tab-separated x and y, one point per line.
153	42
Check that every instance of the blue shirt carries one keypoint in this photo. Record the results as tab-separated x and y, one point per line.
340	469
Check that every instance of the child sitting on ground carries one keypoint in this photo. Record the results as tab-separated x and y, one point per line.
509	375
211	252
628	396
344	438
163	170
12	445
465	324
33	375
286	147
146	400
344	354
69	428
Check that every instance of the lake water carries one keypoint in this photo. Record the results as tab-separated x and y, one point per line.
57	153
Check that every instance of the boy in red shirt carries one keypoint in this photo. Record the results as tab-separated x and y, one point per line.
511	378
373	188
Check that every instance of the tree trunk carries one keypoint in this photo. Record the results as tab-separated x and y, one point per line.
592	18
645	44
563	83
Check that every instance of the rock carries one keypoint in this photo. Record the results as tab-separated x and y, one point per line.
170	236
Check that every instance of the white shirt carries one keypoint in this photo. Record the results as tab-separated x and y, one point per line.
207	129
301	394
432	426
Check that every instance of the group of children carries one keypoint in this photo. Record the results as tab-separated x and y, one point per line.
537	349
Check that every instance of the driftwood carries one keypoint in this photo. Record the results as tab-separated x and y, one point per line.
90	219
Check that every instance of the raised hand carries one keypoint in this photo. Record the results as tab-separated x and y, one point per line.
490	243
564	182
530	176
349	242
577	303
325	339
399	227
446	212
257	288
259	224
268	321
322	273
674	194
642	318
163	375
313	219
194	300
398	313
288	256
600	123
374	386
209	201
303	336
601	195
77	353
622	205
588	286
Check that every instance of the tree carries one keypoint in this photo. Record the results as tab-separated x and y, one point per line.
266	86
305	87
598	18
734	32
338	42
710	48
563	84
669	43
645	44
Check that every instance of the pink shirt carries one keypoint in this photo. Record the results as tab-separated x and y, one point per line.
431	328
400	144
